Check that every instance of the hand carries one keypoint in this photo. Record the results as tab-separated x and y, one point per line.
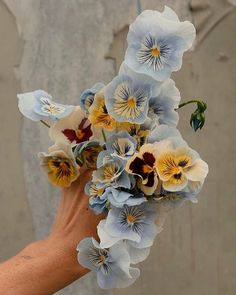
74	221
47	266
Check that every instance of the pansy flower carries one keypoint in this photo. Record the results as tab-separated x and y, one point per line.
174	199
162	108
38	105
111	265
98	114
156	43
87	153
179	168
119	198
60	165
127	98
75	128
143	164
112	173
98	196
162	132
87	96
121	145
135	224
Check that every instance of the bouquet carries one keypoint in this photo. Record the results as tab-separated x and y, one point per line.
126	133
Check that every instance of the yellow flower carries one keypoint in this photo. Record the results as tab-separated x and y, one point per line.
98	114
181	167
59	165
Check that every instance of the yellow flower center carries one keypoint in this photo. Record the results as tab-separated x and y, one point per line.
100	191
79	134
147	169
131	102
131	218
155	51
102	258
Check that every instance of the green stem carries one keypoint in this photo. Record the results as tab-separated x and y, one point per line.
104	135
139	6
188	102
44	123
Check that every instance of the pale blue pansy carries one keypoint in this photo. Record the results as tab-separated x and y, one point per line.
38	105
127	97
162	108
133	223
87	96
156	43
111	265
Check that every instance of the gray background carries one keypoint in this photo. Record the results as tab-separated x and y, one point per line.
64	46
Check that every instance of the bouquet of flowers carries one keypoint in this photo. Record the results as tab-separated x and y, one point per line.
126	132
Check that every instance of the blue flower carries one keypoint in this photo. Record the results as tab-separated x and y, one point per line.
112	173
121	145
38	105
111	265
163	132
175	199
127	97
162	108
98	196
133	223
87	96
156	43
119	198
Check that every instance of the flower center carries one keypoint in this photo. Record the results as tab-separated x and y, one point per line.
100	192
155	51
131	218
131	102
102	258
79	134
65	166
147	169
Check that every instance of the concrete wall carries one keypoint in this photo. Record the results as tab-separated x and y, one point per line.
65	46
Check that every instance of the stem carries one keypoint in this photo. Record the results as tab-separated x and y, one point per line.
139	7
104	135
187	102
44	123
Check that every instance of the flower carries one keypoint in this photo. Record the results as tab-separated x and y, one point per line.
121	145
156	43
98	114
119	198
111	265
38	105
179	167
135	224
162	108
87	97
98	196
87	152
75	128
60	165
127	97
143	164
175	199
162	132
112	173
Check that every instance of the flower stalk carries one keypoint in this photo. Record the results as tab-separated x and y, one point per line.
44	123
